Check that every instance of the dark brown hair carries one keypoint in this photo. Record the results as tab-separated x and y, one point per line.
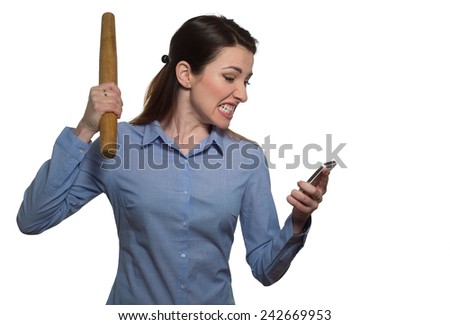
198	41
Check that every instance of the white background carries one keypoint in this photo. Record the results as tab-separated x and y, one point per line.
374	74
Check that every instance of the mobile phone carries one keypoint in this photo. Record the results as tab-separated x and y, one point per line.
330	165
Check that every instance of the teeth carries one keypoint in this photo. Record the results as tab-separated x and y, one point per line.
227	108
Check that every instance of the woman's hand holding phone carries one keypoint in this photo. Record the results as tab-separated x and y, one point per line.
305	200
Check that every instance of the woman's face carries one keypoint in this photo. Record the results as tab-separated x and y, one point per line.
221	87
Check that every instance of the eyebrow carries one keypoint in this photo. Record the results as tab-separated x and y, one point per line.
238	70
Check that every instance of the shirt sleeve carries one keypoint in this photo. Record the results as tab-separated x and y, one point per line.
270	250
60	188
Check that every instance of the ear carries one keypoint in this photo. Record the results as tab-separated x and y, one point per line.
184	74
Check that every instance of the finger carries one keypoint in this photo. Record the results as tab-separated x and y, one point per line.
107	99
301	206
110	87
305	198
105	92
111	106
101	106
314	192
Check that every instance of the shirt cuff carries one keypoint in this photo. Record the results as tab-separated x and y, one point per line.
71	144
288	228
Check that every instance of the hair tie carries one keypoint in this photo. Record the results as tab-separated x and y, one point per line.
165	59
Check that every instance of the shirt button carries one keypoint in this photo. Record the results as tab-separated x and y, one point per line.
183	255
185	192
182	287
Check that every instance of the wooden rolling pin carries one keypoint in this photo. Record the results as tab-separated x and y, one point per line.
108	73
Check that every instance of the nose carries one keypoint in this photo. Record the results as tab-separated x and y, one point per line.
241	93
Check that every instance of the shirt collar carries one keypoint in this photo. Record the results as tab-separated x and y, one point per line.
215	139
153	132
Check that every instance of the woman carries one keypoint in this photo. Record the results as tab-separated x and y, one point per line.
180	178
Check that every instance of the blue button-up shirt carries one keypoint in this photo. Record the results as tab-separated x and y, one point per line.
175	214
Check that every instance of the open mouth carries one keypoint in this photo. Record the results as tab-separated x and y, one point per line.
227	109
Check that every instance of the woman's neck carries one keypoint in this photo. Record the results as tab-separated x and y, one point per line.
186	130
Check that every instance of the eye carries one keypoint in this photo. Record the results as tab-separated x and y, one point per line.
229	78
